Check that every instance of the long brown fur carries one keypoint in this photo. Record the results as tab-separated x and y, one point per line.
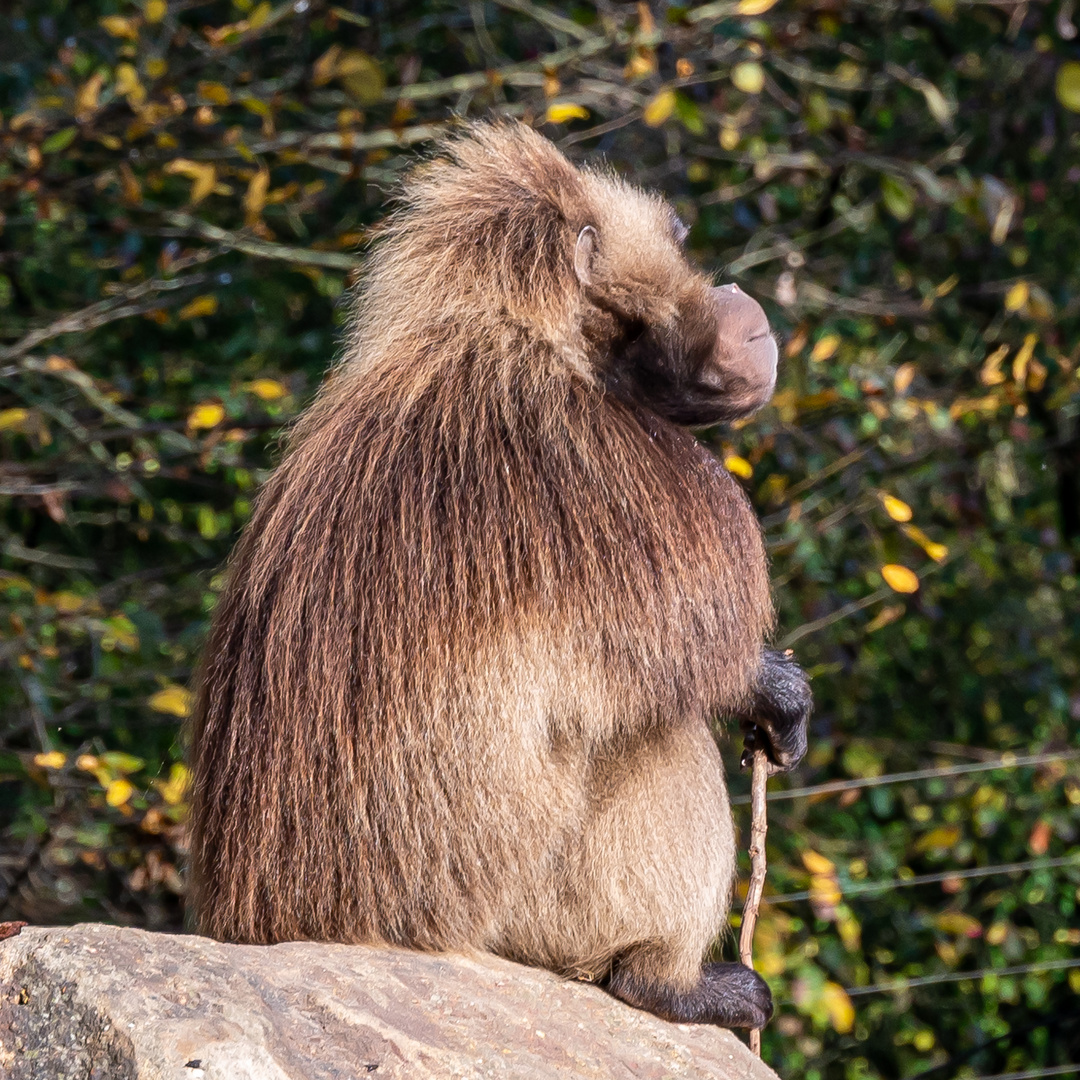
458	689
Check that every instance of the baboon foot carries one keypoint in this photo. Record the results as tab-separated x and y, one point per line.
728	995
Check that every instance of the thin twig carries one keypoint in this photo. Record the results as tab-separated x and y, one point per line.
551	19
835	616
758	827
108	310
250	245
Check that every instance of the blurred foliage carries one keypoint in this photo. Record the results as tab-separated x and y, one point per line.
184	189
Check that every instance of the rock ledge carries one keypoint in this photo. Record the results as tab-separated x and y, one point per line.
106	1003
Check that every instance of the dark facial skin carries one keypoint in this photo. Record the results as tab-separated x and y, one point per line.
716	363
741	374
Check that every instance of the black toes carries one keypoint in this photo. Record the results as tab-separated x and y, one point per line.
728	995
740	997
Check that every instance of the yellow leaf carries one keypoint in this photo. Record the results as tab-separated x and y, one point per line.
119	791
66	602
817	864
1036	376
739	466
825	890
324	68
119	762
214	92
885	616
749	77
958	924
155	10
903	377
1017	296
360	75
839	1008
849	930
13	419
561	112
825	347
1023	358
259	15
118	26
201	305
120	632
86	99
900	578
947	285
174	789
173	699
203	177
729	138
847	71
997	933
87	762
896	508
207	415
255	197
991	373
1067	85
940	839
267	389
128	84
967	405
51	760
936	551
753	7
642	63
660	108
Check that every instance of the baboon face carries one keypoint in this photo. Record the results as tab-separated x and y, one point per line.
694	353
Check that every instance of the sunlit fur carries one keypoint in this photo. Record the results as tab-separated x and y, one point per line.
459	685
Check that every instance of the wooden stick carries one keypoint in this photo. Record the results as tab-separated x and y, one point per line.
758	827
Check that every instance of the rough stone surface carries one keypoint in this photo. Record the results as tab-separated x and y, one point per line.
105	1003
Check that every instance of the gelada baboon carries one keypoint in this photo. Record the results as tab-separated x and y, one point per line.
459	686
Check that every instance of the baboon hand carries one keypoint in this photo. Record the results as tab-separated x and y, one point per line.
777	719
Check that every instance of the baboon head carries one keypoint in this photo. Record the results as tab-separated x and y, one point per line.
500	231
695	353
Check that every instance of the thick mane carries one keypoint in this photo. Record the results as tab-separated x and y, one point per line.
462	490
480	243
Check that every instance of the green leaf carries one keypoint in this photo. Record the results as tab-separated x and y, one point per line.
59	140
120	762
898	197
1067	85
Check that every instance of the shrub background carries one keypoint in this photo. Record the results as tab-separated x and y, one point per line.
185	189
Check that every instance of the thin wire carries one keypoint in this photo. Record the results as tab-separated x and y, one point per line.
1054	1070
962	976
861	887
1006	761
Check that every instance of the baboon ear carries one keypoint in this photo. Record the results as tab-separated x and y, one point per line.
585	255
